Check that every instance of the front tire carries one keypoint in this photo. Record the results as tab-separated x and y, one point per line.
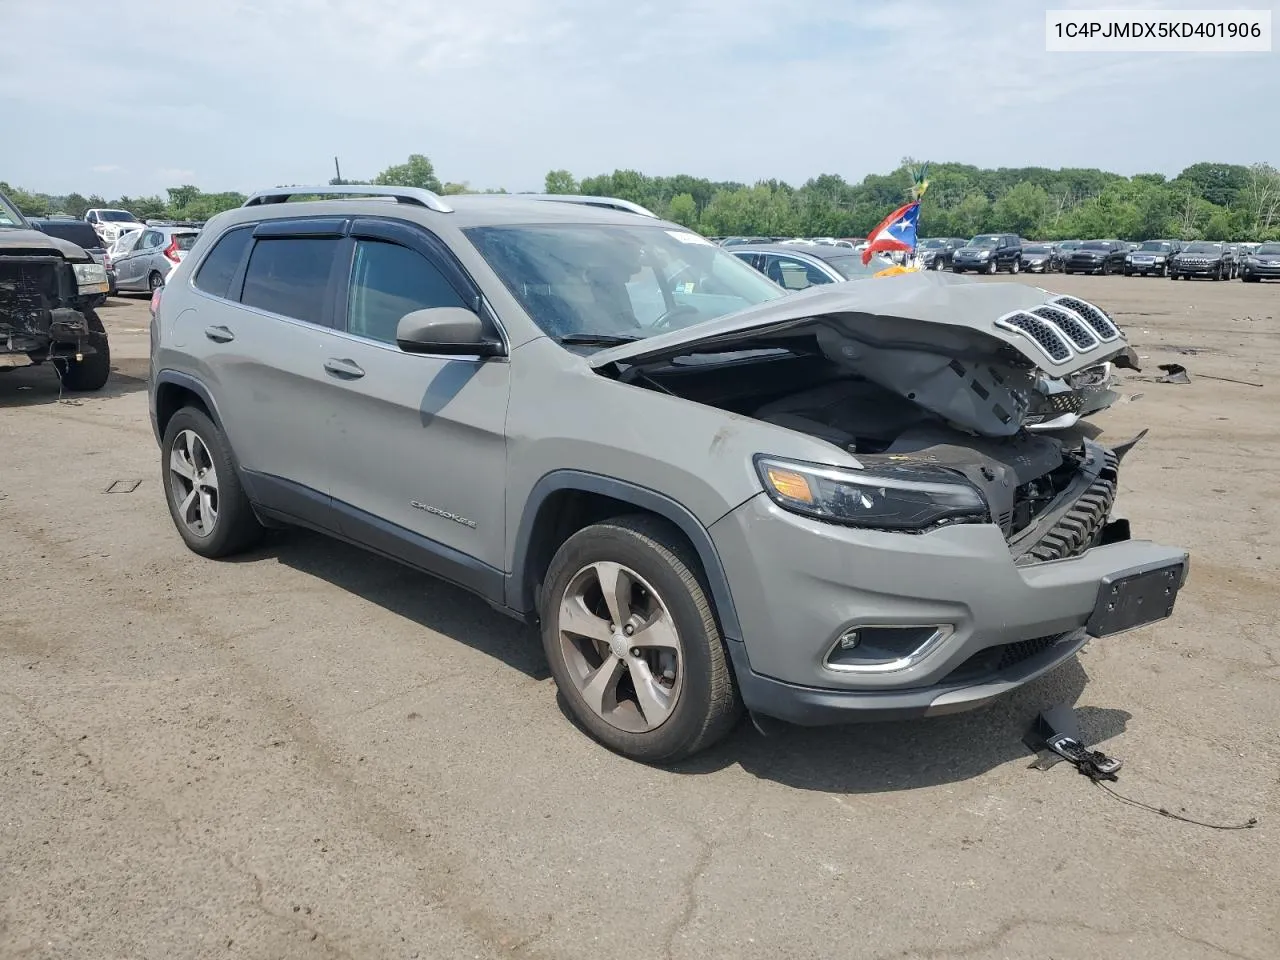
91	373
632	641
201	486
992	267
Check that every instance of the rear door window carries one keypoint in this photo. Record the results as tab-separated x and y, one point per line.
214	275
388	281
289	276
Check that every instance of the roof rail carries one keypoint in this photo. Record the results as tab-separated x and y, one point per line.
609	203
411	195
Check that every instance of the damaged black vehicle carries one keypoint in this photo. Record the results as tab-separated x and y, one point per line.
49	291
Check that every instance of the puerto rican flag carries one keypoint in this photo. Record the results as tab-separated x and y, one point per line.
896	232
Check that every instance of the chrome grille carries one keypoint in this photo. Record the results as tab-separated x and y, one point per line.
1071	324
1095	317
1046	334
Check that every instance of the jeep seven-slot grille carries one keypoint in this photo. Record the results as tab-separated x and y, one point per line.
1043	332
1078	528
1101	323
1070	324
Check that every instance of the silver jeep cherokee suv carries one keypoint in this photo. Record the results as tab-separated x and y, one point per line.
709	494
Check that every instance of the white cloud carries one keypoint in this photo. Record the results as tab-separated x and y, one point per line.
496	92
106	168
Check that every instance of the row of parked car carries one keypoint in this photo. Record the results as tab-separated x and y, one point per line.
137	255
992	253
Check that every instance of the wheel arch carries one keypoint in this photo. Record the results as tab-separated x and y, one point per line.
173	391
565	501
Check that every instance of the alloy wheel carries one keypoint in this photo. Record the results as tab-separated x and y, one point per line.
193	483
621	647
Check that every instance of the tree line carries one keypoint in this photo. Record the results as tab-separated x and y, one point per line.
1212	201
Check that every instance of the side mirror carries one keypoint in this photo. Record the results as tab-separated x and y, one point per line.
447	331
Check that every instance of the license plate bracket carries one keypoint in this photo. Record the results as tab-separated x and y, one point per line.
1135	598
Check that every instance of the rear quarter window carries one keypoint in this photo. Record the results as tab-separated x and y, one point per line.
214	275
289	276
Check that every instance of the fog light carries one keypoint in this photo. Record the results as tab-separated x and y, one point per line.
885	648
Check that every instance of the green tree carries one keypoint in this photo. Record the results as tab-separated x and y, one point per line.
560	181
1023	210
417	171
971	215
683	210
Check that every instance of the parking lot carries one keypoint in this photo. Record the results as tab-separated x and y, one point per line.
312	752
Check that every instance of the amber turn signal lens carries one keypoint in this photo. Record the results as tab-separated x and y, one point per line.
787	483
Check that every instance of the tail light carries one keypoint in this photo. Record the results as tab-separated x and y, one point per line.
171	251
106	261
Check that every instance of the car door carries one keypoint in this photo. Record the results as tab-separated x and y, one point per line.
262	357
418	465
129	268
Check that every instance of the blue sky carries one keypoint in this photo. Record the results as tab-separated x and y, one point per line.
239	94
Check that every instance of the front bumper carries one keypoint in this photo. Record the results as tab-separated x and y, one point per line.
798	584
959	264
1086	266
1198	269
1145	267
1260	270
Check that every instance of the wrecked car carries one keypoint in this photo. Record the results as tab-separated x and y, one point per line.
707	494
49	289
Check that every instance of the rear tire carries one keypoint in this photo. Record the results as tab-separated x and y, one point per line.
155	281
91	373
658	572
1015	267
211	486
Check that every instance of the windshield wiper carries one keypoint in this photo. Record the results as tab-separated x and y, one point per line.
597	339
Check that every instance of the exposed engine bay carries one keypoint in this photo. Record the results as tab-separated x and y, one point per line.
924	387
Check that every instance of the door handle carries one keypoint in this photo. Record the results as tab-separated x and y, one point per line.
219	334
346	369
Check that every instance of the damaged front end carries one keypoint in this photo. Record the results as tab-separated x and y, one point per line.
35	318
948	378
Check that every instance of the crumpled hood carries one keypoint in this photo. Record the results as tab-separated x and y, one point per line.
38	243
965	350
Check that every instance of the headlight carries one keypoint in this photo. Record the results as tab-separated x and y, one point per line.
985	253
90	277
1159	259
1128	257
889	499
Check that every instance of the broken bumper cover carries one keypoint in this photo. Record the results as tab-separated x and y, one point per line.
798	585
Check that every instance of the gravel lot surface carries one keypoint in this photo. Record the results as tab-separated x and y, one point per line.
315	753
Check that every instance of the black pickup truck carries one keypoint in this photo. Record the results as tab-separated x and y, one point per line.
49	289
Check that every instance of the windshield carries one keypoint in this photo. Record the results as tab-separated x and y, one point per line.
1203	247
9	215
117	216
610	280
1156	246
1069	245
983	242
851	267
932	244
1036	248
1095	245
1270	249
